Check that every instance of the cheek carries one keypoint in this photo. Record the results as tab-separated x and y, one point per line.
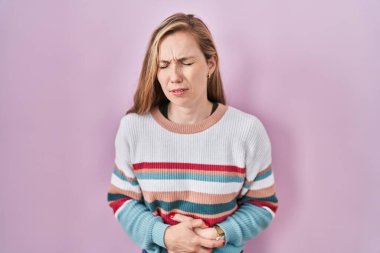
161	79
192	73
197	78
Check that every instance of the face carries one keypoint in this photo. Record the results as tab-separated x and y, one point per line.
183	70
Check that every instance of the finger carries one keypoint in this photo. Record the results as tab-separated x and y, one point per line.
197	223
211	243
181	218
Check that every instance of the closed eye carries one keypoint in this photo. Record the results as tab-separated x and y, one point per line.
163	66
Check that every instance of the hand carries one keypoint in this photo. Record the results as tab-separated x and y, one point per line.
208	233
181	238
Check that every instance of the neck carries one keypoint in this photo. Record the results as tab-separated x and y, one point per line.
189	115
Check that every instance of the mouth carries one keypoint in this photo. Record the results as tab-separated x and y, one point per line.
178	92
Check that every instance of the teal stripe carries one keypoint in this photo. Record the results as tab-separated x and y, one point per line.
265	175
112	197
122	177
262	176
119	175
190	176
247	185
192	207
272	198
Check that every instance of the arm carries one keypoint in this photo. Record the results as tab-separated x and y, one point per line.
125	198
257	200
147	230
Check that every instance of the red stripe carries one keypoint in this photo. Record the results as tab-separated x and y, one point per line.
115	205
209	222
192	166
262	203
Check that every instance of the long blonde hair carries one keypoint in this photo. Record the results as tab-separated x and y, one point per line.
149	92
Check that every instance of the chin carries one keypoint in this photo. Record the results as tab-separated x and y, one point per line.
180	103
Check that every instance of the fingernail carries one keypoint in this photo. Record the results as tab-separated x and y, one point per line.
171	216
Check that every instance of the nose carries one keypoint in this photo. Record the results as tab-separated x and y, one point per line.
176	74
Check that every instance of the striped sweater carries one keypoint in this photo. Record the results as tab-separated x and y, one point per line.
218	170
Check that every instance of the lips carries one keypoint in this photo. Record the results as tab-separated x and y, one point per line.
178	89
179	92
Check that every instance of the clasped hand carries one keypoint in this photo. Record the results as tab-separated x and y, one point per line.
190	236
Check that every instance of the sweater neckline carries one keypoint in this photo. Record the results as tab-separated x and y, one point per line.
189	128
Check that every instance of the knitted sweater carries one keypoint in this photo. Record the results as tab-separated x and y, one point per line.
218	170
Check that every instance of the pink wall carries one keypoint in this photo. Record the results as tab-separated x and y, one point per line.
308	69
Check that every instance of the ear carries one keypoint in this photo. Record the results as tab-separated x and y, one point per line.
211	63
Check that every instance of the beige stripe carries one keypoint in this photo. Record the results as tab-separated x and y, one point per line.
219	173
206	216
114	190
195	197
262	193
189	128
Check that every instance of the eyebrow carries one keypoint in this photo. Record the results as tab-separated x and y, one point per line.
180	59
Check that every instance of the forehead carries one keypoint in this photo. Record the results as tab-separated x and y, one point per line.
178	45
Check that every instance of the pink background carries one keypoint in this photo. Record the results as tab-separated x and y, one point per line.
308	69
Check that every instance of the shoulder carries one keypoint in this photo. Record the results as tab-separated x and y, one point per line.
133	118
132	123
253	128
245	119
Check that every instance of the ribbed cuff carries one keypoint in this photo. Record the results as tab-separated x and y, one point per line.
158	233
230	234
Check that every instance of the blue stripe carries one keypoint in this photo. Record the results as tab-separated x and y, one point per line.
192	207
112	197
190	176
272	198
247	185
122	177
264	175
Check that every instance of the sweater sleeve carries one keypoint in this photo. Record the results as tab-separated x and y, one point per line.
257	200
125	198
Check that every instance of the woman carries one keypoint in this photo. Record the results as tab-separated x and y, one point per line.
191	173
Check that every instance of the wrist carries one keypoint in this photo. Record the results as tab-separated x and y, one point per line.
219	233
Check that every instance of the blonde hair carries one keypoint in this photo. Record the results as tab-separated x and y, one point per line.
149	92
